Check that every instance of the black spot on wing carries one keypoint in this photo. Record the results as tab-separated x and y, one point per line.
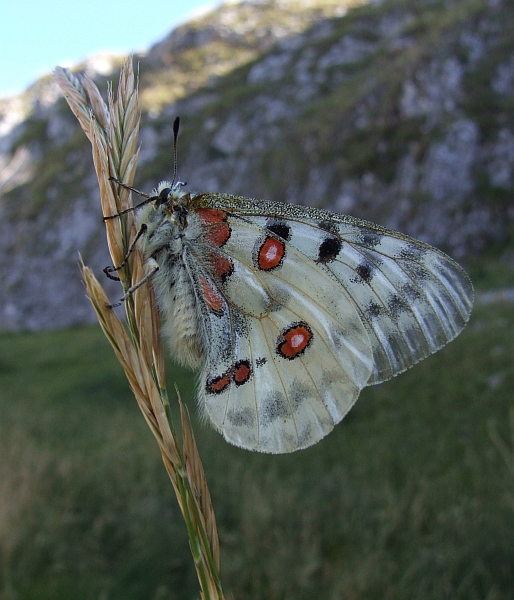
329	249
274	406
365	272
299	392
241	418
374	310
412	292
396	305
416	271
280	228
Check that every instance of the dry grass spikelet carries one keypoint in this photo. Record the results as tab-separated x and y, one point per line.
112	128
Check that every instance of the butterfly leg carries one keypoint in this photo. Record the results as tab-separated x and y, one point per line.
134	287
109	270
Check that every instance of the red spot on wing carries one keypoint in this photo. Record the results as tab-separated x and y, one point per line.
242	372
270	254
294	340
221	265
218	231
211	296
211	215
218	234
216	385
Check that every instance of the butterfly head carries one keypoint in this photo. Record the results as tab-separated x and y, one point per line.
167	192
171	197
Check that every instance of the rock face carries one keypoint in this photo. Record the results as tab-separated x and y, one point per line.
397	112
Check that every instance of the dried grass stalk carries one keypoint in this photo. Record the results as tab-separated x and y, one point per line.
112	129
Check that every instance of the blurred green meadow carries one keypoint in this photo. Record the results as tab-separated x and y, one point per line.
412	496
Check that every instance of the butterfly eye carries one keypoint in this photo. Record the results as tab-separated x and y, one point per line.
162	198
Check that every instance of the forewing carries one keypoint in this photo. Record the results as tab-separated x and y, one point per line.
412	299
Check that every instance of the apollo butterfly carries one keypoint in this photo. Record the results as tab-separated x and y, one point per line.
290	311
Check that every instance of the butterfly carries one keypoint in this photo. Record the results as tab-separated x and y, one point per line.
290	311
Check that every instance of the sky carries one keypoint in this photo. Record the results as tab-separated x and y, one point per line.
37	36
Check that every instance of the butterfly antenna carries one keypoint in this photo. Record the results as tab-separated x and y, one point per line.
147	200
176	126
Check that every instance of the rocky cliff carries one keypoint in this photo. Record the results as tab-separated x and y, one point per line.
400	112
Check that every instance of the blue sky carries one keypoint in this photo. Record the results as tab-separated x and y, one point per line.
36	36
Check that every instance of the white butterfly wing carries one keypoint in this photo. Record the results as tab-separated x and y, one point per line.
361	303
412	298
277	378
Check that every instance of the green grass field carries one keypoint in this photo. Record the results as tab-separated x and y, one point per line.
412	496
